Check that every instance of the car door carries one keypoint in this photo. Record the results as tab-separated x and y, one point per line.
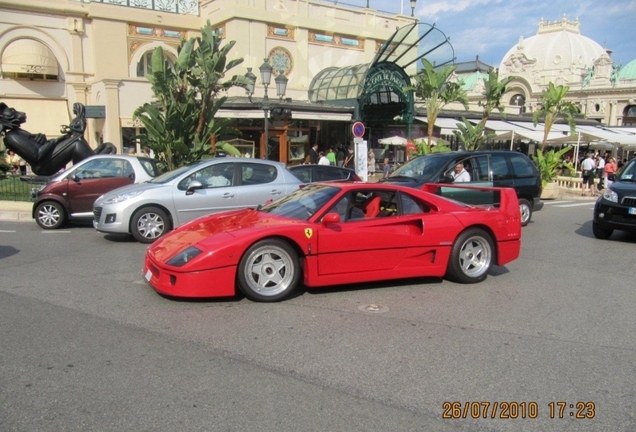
260	183
479	168
93	179
360	244
219	192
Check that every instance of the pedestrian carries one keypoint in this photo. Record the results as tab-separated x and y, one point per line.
371	163
132	151
349	160
147	151
340	155
322	159
610	171
313	154
588	166
331	155
386	169
13	160
600	171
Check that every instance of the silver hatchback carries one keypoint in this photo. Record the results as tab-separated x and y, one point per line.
150	210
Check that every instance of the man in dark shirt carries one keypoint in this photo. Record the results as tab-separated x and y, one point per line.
313	154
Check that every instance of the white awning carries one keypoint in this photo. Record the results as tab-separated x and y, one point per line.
43	116
225	113
311	115
447	125
30	57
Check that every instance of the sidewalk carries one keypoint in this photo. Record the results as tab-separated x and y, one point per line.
16	210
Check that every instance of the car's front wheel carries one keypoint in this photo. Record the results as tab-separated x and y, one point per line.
269	271
526	211
471	257
600	232
50	215
149	223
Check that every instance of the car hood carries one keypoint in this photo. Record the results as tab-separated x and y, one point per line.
210	232
623	188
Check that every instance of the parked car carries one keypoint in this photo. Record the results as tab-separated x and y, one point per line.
69	195
334	233
150	210
310	173
616	208
498	168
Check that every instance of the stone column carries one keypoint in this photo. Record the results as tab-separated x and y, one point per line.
112	129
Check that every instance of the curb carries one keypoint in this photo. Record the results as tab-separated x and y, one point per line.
16	211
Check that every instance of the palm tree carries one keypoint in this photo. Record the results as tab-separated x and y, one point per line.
552	105
493	92
470	135
435	89
180	123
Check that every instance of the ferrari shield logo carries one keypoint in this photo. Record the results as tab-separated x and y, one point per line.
309	232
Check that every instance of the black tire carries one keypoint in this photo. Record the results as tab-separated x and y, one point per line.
50	215
149	223
526	211
269	271
471	257
600	232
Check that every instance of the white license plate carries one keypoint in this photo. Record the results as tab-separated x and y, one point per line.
148	275
632	210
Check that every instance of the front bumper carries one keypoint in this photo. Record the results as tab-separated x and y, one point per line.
217	282
109	220
614	216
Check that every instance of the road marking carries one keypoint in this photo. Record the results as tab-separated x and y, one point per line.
576	205
7	231
556	202
56	232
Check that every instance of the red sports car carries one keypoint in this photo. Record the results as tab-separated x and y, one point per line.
330	234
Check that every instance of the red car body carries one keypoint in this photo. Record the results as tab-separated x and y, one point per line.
333	252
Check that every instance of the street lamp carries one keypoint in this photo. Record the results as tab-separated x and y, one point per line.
266	77
413	6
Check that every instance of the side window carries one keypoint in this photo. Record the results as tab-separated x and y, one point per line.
412	206
212	176
100	168
477	168
302	174
500	170
521	166
323	174
253	174
128	170
369	204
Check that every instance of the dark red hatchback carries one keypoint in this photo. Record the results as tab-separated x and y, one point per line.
69	195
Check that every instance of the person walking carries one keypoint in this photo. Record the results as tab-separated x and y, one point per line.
386	169
600	171
371	163
349	160
313	154
331	155
587	166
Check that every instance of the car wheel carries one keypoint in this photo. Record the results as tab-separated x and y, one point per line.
149	223
50	215
269	271
471	256
600	232
526	211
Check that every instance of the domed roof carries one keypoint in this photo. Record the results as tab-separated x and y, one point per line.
628	71
556	46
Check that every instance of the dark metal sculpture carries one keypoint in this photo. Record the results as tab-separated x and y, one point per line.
46	157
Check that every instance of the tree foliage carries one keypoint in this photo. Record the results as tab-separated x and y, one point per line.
553	104
435	89
549	163
181	121
494	90
471	136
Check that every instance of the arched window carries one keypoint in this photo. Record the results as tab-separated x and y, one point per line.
629	115
143	66
520	101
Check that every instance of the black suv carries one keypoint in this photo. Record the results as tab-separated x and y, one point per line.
616	208
498	168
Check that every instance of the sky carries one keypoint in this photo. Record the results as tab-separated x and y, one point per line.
489	28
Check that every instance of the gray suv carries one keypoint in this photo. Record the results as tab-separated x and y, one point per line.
498	168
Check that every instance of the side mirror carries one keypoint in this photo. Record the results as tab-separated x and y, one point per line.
331	218
447	179
194	185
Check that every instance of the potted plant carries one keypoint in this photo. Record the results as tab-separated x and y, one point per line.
549	164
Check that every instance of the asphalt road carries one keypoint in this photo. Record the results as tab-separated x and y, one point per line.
87	345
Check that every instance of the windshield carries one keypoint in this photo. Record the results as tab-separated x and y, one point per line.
422	168
171	175
629	172
303	203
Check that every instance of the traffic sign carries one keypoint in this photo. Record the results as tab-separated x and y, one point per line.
358	129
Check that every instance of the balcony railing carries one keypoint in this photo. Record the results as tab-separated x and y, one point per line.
183	7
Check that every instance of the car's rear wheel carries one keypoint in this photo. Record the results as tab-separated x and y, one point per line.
471	257
149	223
269	271
50	215
526	211
600	232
